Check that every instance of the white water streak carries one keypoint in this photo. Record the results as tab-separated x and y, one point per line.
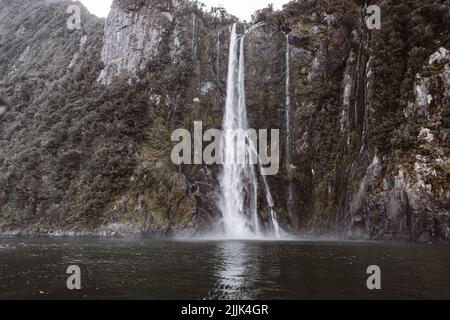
288	162
239	183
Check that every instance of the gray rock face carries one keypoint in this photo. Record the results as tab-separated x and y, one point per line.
356	174
405	199
4	106
37	56
135	34
132	38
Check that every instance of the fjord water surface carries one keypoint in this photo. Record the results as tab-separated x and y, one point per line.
147	269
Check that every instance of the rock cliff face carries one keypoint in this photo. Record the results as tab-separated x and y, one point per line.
87	146
132	36
367	163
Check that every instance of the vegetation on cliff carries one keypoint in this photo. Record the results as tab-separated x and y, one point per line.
370	123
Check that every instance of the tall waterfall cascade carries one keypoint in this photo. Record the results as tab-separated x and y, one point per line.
287	157
218	50
239	182
194	34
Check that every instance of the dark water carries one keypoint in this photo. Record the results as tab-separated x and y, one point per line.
146	269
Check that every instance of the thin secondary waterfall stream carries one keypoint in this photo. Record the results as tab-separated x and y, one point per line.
239	182
288	163
218	49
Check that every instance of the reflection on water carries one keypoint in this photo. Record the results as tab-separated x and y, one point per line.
147	269
234	270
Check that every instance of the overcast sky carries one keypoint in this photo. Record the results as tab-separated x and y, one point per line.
241	8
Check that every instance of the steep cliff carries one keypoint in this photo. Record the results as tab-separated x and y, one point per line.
88	150
370	134
87	145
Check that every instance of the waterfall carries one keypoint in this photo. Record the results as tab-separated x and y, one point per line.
218	50
194	34
288	162
238	187
271	208
238	182
242	114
